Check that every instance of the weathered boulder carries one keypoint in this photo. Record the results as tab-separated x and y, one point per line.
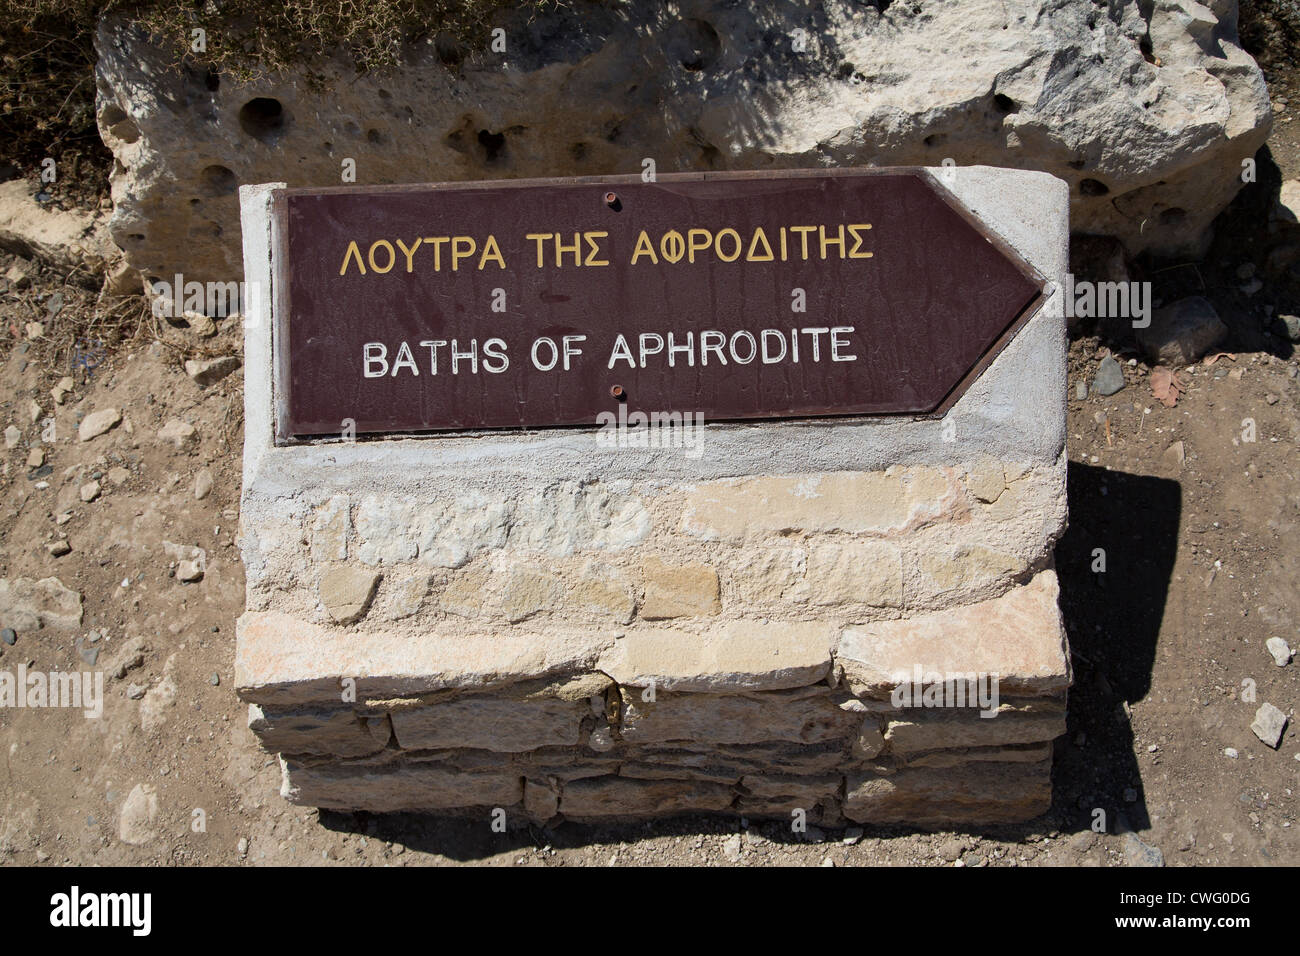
1147	110
1183	331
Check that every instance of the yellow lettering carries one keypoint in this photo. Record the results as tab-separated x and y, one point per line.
753	244
436	242
857	240
644	247
594	248
561	249
717	244
392	256
831	242
694	243
354	251
409	252
672	246
803	236
491	251
457	255
539	238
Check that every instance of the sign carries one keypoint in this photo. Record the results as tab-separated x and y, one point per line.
549	302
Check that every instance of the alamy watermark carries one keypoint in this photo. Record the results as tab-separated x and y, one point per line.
173	299
638	429
82	690
1108	300
932	689
128	910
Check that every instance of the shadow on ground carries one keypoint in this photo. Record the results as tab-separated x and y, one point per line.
1112	617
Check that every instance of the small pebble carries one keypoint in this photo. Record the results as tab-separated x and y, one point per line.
9	636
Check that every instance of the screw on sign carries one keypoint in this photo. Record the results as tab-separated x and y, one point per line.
674	295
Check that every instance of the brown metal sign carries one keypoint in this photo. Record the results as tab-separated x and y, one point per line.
539	303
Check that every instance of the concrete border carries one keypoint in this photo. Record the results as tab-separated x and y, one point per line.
1014	411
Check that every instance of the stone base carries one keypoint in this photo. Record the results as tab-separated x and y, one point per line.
819	731
534	621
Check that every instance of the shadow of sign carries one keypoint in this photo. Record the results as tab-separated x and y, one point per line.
1113	620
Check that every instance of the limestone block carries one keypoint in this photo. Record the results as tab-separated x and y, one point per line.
804	791
466	594
541	800
678	590
330	528
727	656
570	516
601	590
855	572
976	793
894	501
347	591
282	660
791	759
527	590
620	797
922	730
1018	636
1019	753
489	723
986	479
765	575
341	732
396	787
445	533
404	595
961	568
717	718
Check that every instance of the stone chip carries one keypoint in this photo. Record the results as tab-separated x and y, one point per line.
97	423
347	591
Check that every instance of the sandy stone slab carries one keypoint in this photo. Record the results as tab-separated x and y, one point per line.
605	797
282	660
979	793
732	719
942	729
732	656
490	723
1019	636
1020	753
343	733
893	501
402	787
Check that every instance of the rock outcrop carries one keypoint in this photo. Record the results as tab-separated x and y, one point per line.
1147	110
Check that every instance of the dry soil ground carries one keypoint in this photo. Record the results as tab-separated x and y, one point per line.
1199	527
